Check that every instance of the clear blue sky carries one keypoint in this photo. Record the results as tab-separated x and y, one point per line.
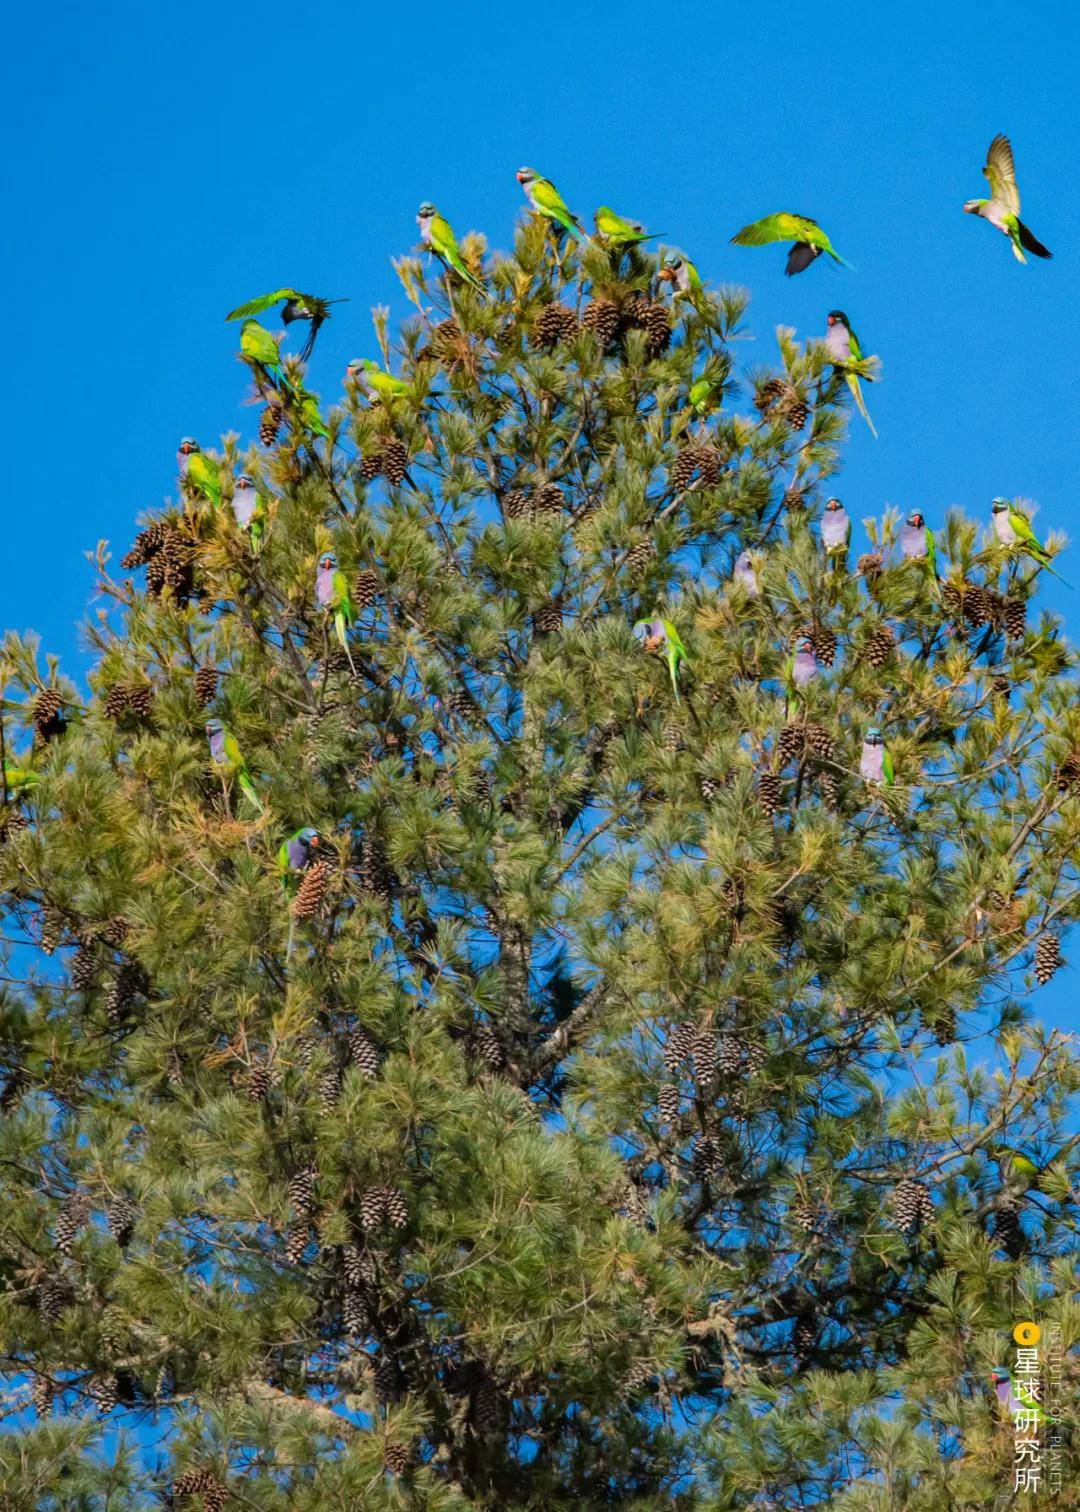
169	161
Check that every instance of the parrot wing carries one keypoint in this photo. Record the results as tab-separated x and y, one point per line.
233	753
780	227
1000	170
1022	528
264	302
673	639
548	198
342	601
887	768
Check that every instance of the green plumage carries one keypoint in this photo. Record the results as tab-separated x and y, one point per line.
787	227
204	475
619	231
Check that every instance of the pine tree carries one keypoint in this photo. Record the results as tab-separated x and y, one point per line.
566	1098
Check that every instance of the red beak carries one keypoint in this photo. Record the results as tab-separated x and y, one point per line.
519	177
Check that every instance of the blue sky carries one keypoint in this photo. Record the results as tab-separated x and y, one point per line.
172	161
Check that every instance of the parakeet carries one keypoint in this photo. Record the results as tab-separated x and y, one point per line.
810	240
661	635
376	384
844	348
295	852
310	417
332	592
620	232
917	541
18	778
546	200
199	471
1010	1393
706	394
835	526
801	670
680	272
745	573
1015	1166
1002	209
875	762
1013	529
249	509
263	355
225	751
296	306
438	234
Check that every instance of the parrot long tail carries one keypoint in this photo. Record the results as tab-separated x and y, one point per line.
248	787
473	282
339	628
290	942
1051	570
673	668
860	403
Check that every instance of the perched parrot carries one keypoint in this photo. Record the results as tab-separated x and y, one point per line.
682	275
617	231
296	306
835	526
844	349
801	670
917	541
1011	1393
1013	529
661	635
1015	1166
310	417
332	592
438	234
546	200
18	778
745	573
706	394
810	240
263	355
376	384
198	470
875	763
249	510
1002	209
225	751
295	853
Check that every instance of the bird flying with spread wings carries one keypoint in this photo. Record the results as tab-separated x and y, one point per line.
1002	209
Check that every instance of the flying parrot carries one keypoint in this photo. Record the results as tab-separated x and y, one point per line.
917	541
332	592
844	349
835	526
810	240
249	510
801	670
263	355
226	753
438	234
1002	209
661	635
1011	1395
706	394
1013	529
376	384
198	470
17	779
681	274
745	573
546	200
296	306
620	232
875	762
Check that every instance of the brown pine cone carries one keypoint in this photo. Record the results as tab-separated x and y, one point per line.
769	394
1068	773
796	412
370	466
548	618
397	1458
516	504
311	894
47	714
1015	616
548	499
667	1103
820	742
206	685
684	468
824	642
146	543
768	790
270	424
366	587
870	565
790	743
655	321
881	646
555	323
977	607
1048	958
395	461
638	558
603	318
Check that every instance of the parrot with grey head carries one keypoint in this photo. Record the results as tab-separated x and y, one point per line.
332	593
296	306
661	635
846	353
745	573
225	751
263	356
546	200
917	541
249	510
681	274
619	232
294	856
809	239
1013	529
377	386
1016	1167
875	762
1002	209
835	526
200	472
438	234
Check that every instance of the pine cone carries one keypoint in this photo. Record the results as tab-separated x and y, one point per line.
555	323
366	587
824	642
115	931
881	646
667	1103
1015	615
485	1409
1048	958
1001	686
794	497
204	1483
756	1056
655	321
684	468
363	1052
102	1390
769	394
301	1192
311	894
768	792
711	788
820	743
74	1211
870	565
121	1217
84	967
296	1243
731	1055
804	1337
671	736
395	461
206	685
1068	773
270	424
790	744
548	618
386	1378
976	605
397	1209
704	1157
46	712
375	874
145	545
912	1205
704	1054
258	1082
42	1392
804	1215
128	983
53	1296
397	1458
638	558
678	1045
796	412
330	1088
52	929
516	504
373	1208
357	1266
1007	1228
603	318
370	466
115	704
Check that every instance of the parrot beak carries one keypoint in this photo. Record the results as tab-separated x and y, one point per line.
520	176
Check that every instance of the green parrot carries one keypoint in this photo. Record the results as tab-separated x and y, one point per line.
198	470
1013	529
297	306
660	634
249	510
262	353
846	353
546	200
332	592
1014	1165
438	234
810	240
294	855
227	754
683	277
376	384
310	417
17	779
1002	209
620	232
706	395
